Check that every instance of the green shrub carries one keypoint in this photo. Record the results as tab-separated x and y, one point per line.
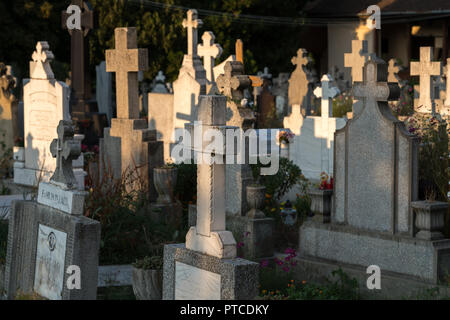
149	263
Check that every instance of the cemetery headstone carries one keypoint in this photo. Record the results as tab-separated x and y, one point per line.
425	69
83	108
104	91
159	83
206	267
280	89
46	102
300	83
374	224
129	147
50	242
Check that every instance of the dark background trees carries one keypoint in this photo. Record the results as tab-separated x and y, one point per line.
266	43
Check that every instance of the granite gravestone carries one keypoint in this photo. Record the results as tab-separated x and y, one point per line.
49	240
376	180
46	102
83	108
206	267
129	147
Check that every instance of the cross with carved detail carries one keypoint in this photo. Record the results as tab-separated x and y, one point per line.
209	51
233	81
65	149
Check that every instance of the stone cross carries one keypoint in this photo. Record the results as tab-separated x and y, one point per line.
192	24
372	90
80	81
425	69
326	92
126	61
233	82
356	59
239	48
160	77
209	51
393	70
40	66
65	149
209	236
265	74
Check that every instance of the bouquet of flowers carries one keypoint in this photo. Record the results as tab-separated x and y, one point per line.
285	136
324	184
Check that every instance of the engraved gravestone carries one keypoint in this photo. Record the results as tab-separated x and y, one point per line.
47	237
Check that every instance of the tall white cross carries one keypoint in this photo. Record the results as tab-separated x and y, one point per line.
425	69
357	58
126	61
192	24
326	92
209	51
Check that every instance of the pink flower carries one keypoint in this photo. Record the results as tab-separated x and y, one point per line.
264	263
84	148
240	245
286	269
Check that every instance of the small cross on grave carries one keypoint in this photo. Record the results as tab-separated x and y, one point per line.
356	59
233	82
79	60
126	61
192	24
40	66
160	78
425	69
326	92
265	74
65	149
209	51
375	88
393	70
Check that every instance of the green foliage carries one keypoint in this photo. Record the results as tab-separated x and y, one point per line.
288	175
341	105
149	263
3	240
159	29
186	188
342	288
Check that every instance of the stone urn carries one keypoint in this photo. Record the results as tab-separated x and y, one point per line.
165	179
321	204
430	219
147	284
255	199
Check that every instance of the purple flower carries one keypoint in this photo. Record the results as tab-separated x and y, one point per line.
264	263
240	245
289	251
286	269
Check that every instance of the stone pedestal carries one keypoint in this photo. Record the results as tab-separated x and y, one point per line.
258	239
74	241
189	275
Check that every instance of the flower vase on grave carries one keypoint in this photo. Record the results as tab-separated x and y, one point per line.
284	138
284	150
166	209
147	278
430	218
165	179
255	199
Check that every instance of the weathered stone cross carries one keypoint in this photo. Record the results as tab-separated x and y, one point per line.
126	61
393	70
356	59
375	87
425	69
326	92
233	81
209	51
40	67
192	24
65	149
239	53
80	76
